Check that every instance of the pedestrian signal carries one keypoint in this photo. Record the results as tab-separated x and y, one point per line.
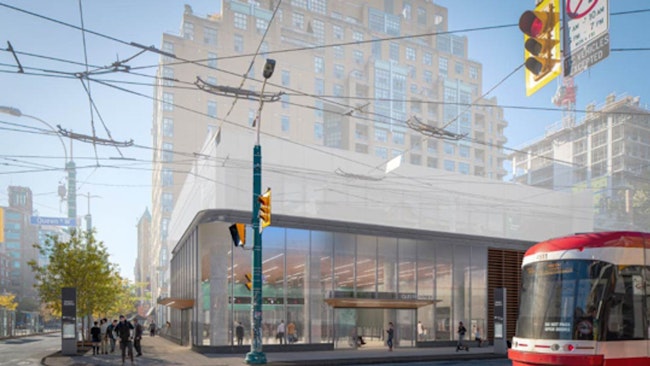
238	234
249	281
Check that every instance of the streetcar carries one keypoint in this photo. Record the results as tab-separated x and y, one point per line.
584	301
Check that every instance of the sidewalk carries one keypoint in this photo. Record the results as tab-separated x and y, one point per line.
159	351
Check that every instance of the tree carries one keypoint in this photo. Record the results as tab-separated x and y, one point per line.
80	262
8	302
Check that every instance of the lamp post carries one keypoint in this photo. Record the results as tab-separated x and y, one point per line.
89	224
256	355
69	165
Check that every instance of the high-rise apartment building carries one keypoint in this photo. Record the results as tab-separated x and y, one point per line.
18	248
144	264
347	82
608	152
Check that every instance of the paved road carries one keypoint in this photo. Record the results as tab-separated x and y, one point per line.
26	351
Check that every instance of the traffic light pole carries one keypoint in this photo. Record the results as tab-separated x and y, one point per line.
256	355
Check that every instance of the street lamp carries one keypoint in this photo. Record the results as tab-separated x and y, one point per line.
68	165
256	355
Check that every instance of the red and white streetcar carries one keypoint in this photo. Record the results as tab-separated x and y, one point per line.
584	301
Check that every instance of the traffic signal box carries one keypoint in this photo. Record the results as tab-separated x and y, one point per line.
265	208
238	234
542	55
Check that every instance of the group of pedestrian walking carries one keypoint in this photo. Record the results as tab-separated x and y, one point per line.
128	333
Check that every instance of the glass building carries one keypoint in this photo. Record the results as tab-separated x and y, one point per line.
331	280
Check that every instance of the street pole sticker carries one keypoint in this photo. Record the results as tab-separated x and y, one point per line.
586	34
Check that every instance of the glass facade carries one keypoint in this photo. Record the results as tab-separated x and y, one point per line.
302	269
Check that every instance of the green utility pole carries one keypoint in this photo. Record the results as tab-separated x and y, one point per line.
256	355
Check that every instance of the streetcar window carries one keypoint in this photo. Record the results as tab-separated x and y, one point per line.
582	300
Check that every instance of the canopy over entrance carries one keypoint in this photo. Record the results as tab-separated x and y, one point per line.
177	303
354	303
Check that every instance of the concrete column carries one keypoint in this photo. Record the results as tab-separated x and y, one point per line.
314	300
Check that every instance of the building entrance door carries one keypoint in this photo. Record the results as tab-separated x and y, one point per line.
371	325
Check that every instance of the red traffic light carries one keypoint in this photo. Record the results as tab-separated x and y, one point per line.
531	24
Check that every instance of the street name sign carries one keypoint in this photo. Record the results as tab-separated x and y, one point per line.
52	221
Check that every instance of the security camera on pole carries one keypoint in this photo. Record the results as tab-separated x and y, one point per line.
256	356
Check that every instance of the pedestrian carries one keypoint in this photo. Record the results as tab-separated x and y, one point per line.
461	335
137	338
104	327
96	334
110	331
291	333
239	332
280	332
152	329
477	337
168	325
391	333
420	331
124	330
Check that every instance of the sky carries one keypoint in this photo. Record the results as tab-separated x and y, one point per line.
123	187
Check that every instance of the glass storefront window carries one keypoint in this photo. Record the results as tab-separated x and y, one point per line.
366	266
426	261
443	276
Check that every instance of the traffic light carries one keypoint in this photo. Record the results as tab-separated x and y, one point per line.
249	281
265	208
541	29
238	234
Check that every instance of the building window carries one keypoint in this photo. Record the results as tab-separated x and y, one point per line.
168	76
412	72
410	54
358	57
241	21
473	72
188	30
286	77
394	52
339	52
428	76
376	49
319	30
427	58
299	3
337	90
449	165
168	127
319	86
381	135
459	68
261	25
210	36
167	202
318	109
339	71
406	11
337	31
212	109
381	152
318	131
449	148
164	226
357	36
398	138
298	21
167	152
285	101
463	152
318	6
211	80
284	123
319	64
416	159
432	146
442	66
239	43
422	16
167	177
212	60
168	101
463	168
